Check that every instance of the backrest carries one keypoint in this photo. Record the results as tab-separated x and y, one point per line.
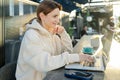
12	48
7	72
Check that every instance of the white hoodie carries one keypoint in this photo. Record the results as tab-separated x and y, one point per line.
41	52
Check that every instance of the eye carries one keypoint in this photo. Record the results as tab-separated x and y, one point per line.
55	16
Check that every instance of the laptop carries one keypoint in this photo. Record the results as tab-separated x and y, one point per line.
99	65
100	60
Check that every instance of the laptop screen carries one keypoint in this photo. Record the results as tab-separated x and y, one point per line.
107	41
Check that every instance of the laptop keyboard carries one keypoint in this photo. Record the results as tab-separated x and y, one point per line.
97	63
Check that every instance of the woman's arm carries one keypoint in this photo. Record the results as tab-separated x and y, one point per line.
66	42
65	38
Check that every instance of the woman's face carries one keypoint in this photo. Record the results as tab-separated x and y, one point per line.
50	20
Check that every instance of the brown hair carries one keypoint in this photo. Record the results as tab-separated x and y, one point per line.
47	6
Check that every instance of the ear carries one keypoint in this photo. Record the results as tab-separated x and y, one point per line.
42	15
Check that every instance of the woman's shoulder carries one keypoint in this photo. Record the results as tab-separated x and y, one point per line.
31	33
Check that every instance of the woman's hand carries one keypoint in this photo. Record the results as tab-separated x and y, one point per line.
58	29
85	59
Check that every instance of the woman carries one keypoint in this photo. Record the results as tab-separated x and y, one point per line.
46	45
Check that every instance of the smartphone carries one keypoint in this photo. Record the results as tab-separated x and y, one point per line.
80	75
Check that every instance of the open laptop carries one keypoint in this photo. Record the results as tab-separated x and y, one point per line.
101	60
98	65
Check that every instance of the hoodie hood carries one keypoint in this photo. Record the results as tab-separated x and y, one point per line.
36	25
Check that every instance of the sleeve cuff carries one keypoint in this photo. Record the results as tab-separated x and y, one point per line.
73	58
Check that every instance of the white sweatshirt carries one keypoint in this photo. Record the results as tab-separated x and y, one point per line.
41	52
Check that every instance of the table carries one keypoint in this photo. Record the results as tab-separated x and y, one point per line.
111	72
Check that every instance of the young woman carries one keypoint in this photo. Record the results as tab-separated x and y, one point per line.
46	45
